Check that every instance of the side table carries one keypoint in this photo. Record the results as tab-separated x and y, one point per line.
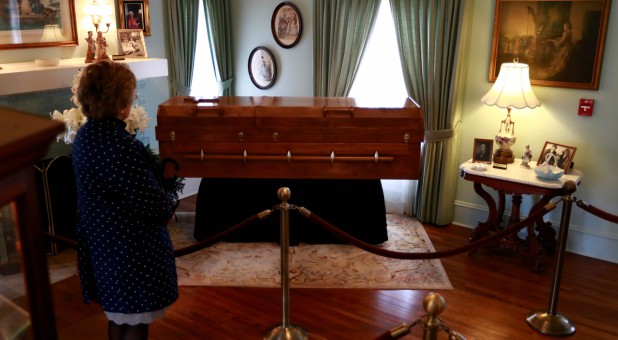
516	181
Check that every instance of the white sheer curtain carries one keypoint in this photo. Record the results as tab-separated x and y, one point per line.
204	80
380	76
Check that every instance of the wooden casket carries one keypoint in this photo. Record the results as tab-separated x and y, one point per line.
291	137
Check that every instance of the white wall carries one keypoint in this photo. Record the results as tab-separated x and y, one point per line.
556	120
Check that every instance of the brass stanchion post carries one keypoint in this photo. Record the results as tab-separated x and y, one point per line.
286	330
550	322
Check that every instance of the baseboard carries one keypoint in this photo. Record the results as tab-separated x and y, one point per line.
581	240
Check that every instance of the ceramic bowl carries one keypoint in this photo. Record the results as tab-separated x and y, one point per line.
548	173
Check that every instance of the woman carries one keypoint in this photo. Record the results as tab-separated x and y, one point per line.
132	21
125	256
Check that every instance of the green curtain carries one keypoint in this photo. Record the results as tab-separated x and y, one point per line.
182	35
218	24
428	33
341	31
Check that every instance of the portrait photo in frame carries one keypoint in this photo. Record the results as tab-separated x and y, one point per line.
262	68
482	150
557	154
286	25
131	43
134	14
37	25
561	41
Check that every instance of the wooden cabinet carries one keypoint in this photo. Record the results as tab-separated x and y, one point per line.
24	139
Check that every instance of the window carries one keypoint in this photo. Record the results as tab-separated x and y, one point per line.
380	75
204	83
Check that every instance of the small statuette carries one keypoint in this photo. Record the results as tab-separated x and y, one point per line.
526	157
92	48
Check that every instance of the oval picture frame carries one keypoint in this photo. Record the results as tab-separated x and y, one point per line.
286	24
262	68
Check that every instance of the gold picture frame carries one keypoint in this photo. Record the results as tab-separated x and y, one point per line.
40	25
134	14
561	41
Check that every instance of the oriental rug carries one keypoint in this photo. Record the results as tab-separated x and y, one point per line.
311	266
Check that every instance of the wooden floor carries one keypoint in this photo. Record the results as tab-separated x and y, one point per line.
493	292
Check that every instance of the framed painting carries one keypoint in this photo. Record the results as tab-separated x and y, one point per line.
134	14
483	150
561	41
30	24
262	68
131	43
557	154
286	25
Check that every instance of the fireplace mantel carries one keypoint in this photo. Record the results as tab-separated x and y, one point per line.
26	77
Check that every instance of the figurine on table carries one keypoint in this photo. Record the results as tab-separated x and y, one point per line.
526	157
90	54
101	47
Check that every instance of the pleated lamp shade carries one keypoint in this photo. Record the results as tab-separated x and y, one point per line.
512	89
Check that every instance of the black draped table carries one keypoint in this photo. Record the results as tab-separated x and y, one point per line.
354	206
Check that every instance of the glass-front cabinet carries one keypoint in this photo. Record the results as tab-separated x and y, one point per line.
26	309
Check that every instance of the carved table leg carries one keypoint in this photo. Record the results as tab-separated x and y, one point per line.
530	249
483	228
512	241
546	234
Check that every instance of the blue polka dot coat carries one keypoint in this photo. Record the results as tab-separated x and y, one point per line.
125	255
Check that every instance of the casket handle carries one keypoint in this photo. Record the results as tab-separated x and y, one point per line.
333	112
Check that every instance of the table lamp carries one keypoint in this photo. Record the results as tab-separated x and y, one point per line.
512	89
51	33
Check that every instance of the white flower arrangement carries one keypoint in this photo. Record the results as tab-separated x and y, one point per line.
74	118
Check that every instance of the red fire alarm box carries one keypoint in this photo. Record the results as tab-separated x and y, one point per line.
585	107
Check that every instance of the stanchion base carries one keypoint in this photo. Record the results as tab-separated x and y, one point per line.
290	332
548	324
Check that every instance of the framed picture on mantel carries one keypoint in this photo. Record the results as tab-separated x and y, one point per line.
28	24
134	14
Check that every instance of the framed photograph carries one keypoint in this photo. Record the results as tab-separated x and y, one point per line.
557	154
134	14
131	43
483	150
561	41
262	68
28	24
286	25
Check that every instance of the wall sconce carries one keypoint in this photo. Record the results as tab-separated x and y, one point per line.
512	89
100	13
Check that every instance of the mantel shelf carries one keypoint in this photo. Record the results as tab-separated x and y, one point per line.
26	77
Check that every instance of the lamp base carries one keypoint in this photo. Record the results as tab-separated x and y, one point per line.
504	156
550	324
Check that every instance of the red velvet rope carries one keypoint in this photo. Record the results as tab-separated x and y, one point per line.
186	250
218	237
423	256
597	212
348	238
